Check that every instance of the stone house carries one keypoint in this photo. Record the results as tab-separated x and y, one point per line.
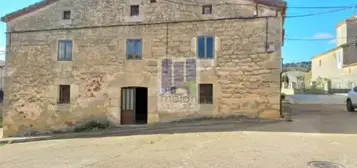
73	61
339	64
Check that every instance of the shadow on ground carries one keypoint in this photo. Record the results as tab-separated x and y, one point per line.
306	119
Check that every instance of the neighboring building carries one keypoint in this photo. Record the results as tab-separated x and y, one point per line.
338	64
72	61
294	82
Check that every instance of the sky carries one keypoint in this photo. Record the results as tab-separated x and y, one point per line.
312	27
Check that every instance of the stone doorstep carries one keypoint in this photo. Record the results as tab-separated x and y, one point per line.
131	128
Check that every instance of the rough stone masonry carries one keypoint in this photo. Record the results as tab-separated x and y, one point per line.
244	74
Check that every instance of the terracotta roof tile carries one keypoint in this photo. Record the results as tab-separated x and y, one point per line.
27	10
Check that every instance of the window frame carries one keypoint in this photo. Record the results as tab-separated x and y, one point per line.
64	15
208	99
65	49
61	98
134	55
205	47
131	10
207	6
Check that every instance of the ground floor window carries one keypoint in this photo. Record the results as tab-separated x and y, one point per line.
206	93
64	94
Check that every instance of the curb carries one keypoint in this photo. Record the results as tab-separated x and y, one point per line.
131	130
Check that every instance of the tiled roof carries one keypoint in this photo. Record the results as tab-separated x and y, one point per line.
27	10
44	3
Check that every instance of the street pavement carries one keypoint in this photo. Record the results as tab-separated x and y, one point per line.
317	133
189	150
317	99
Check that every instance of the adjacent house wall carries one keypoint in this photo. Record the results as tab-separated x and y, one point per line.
245	77
341	34
351	31
329	67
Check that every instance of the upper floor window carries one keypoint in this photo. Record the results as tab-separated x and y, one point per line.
205	47
207	9
134	10
134	49
65	50
66	15
152	1
320	62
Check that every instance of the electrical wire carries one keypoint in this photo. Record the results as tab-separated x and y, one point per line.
286	16
312	39
320	13
191	3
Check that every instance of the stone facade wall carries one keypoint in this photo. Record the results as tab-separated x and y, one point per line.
245	77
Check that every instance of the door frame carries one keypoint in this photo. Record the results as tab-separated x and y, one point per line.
127	106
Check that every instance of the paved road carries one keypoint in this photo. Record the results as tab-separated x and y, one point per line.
317	99
228	143
201	150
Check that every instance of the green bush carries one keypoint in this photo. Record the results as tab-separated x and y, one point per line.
314	91
92	125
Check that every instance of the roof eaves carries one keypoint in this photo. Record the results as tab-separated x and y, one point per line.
326	52
27	10
275	3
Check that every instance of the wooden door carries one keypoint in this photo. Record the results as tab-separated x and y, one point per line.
128	97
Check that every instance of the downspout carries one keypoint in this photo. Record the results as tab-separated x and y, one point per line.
266	33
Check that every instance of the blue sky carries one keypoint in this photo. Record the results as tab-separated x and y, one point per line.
319	26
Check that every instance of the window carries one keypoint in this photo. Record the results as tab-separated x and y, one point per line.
64	94
205	47
320	63
207	9
152	1
349	70
134	49
66	15
173	90
134	10
206	93
65	50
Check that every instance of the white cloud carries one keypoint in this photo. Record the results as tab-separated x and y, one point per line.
2	49
323	36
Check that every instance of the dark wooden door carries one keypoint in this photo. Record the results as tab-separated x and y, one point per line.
128	97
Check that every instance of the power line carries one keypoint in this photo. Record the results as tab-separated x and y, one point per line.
192	3
286	16
311	39
320	13
318	7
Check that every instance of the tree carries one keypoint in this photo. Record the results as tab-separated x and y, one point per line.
308	77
